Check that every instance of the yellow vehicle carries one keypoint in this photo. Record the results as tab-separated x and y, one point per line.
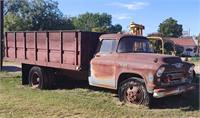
162	45
136	29
159	44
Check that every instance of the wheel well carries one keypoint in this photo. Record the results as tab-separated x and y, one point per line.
125	76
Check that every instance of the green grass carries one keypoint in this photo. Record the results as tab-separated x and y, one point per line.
21	101
196	59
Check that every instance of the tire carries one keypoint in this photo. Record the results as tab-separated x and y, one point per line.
50	78
133	91
25	74
38	78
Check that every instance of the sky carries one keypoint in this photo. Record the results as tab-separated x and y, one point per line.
150	13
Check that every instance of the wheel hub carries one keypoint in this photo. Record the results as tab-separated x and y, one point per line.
134	95
35	80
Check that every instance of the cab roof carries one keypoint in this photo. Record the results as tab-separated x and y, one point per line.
117	36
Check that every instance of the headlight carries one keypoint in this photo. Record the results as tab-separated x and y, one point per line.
160	71
191	69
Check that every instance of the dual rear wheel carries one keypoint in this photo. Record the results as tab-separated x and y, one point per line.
40	78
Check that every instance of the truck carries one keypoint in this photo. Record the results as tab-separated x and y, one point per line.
121	62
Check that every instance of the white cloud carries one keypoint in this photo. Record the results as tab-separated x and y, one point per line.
121	16
131	6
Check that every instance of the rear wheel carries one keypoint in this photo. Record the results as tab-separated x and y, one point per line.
134	91
38	78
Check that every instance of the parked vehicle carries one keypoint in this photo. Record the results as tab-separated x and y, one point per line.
121	62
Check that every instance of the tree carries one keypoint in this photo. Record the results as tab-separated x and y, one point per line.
15	14
21	15
13	22
155	34
96	22
35	15
170	28
47	16
115	28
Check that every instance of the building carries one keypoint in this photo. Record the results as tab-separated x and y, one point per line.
189	46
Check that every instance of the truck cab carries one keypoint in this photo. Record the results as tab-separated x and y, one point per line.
124	62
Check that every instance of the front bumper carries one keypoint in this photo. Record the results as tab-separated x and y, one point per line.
162	92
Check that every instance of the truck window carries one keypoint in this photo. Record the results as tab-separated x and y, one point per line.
107	46
133	45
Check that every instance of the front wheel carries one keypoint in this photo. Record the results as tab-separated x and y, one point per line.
134	91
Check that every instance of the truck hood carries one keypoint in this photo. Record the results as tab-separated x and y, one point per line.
156	58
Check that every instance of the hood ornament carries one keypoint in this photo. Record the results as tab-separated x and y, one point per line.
178	65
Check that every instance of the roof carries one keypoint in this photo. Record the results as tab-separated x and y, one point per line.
116	36
184	41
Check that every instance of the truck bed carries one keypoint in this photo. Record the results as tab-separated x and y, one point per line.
70	50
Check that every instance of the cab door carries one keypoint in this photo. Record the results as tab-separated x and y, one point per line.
103	65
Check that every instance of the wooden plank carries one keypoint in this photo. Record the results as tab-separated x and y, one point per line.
47	64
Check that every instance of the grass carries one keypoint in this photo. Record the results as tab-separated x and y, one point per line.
196	59
21	101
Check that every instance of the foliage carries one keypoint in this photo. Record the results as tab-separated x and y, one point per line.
96	22
168	48
115	28
155	34
179	50
16	12
34	15
170	28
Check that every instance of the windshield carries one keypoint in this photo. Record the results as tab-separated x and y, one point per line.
134	45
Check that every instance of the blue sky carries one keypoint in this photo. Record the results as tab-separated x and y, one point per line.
147	12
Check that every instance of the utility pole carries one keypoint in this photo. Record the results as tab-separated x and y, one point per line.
1	35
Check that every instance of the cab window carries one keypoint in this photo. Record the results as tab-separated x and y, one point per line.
133	45
107	46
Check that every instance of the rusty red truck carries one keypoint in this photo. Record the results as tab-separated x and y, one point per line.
122	62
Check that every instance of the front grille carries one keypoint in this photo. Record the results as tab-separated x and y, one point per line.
174	75
173	78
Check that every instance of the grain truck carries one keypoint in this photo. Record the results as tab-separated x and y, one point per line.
121	62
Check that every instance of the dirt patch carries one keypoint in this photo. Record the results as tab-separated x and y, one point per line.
10	63
11	66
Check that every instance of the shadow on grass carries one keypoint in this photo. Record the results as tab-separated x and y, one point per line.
69	84
74	84
186	102
11	69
